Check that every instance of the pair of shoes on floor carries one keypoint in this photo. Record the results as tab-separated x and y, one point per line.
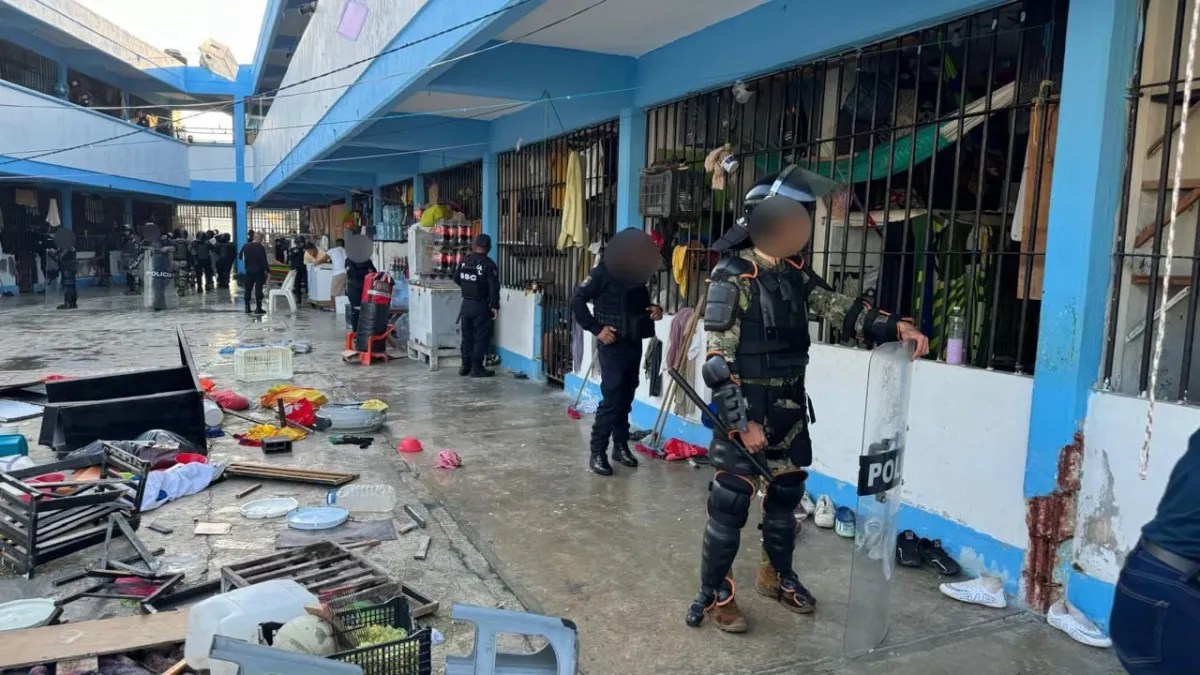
1063	616
914	551
600	465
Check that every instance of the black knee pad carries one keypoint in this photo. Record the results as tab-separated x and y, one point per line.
729	500
785	492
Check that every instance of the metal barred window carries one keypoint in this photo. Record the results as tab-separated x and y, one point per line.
462	185
275	223
27	68
941	136
535	188
204	217
1157	107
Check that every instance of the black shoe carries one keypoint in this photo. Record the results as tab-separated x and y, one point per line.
260	310
908	551
599	464
624	456
248	311
482	372
935	556
464	370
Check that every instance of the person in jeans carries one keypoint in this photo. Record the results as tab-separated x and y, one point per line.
1156	612
254	257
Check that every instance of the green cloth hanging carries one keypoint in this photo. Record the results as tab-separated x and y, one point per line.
895	156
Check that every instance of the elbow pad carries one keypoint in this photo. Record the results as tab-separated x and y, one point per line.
731	405
879	327
720	311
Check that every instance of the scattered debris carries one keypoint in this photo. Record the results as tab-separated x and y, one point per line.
281	473
448	459
50	644
248	490
319	567
212	528
415	516
275	445
423	548
408	527
347	533
409	445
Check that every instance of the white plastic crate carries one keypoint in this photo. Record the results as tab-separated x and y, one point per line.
262	363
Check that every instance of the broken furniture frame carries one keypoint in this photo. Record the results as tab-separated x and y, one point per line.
80	410
37	527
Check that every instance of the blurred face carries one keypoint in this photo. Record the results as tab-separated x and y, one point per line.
632	257
788	231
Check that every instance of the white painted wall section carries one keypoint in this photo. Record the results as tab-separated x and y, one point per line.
1114	503
147	155
322	49
105	36
967	439
212	162
515	322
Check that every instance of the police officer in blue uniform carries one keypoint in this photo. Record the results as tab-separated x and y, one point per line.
623	316
479	279
1156	611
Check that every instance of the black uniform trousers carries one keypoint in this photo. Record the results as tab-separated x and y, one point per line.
477	325
619	365
224	267
255	280
301	286
70	294
204	274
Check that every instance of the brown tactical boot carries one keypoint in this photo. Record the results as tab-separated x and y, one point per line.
767	581
720	607
794	596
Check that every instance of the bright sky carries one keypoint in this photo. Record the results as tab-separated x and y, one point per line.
183	25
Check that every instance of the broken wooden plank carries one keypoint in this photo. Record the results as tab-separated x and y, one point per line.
423	548
161	529
213	528
407	527
248	490
34	646
76	576
412	513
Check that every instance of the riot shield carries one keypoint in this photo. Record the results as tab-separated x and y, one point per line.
885	422
159	287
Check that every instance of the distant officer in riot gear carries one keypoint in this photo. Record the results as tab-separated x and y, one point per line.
479	279
68	266
202	261
622	316
760	301
181	256
226	254
131	254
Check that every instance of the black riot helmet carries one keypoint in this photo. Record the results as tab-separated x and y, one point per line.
776	212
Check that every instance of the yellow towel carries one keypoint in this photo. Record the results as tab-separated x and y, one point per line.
261	431
572	235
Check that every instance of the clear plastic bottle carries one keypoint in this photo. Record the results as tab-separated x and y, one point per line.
956	331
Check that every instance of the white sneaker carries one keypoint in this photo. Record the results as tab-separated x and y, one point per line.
805	508
986	591
823	512
1068	619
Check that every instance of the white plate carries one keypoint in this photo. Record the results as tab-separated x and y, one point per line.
25	613
269	508
317	517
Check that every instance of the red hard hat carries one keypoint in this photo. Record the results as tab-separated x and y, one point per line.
410	444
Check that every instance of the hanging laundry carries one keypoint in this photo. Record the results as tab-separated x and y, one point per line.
26	198
593	169
52	217
572	234
714	163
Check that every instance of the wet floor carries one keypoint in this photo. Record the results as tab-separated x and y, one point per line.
522	523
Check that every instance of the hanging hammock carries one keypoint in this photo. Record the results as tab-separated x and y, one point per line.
875	164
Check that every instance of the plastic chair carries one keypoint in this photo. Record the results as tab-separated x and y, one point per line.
560	657
284	291
376	347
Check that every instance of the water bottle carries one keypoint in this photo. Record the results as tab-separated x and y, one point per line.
956	330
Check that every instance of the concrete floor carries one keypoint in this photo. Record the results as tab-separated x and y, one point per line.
522	524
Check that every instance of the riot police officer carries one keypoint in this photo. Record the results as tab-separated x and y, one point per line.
479	279
760	301
623	316
226	254
68	267
181	256
202	259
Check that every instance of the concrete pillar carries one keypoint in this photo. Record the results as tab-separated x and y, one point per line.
631	159
418	191
65	210
1098	62
239	139
491	200
241	225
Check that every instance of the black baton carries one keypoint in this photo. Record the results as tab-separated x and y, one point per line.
718	425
